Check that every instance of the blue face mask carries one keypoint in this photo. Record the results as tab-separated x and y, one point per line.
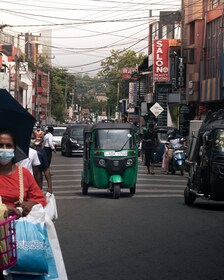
6	156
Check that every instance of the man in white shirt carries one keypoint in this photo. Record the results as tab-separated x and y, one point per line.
32	163
48	143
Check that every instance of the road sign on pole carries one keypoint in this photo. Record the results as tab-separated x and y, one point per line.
156	109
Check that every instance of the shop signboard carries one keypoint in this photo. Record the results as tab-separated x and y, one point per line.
184	119
161	60
127	72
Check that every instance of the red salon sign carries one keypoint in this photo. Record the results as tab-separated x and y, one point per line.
161	61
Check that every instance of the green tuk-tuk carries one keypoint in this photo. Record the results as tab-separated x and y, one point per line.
110	158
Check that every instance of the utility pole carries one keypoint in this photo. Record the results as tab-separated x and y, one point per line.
36	93
16	90
37	103
117	116
49	100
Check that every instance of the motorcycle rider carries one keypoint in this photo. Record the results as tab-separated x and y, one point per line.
174	141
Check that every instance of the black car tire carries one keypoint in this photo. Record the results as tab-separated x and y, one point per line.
189	198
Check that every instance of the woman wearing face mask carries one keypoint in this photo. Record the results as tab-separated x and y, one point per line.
9	179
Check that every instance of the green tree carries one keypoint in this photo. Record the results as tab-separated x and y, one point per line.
62	83
112	73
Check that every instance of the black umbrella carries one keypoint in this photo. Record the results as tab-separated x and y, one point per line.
15	118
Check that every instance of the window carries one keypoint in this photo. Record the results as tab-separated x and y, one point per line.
214	47
164	32
113	139
191	33
214	3
77	131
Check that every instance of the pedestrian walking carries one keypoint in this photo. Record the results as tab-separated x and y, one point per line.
48	144
44	166
149	144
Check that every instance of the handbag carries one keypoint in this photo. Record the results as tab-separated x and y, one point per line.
30	239
51	207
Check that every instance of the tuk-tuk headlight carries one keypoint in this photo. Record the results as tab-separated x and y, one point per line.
129	162
102	162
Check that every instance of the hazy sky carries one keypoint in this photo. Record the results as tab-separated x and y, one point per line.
84	31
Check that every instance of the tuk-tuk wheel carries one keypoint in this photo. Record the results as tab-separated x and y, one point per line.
117	191
189	198
132	190
84	188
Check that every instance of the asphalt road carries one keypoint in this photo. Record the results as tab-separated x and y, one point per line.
150	236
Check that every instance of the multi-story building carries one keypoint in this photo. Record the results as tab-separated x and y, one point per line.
204	54
28	85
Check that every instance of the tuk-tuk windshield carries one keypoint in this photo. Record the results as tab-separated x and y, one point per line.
113	139
218	145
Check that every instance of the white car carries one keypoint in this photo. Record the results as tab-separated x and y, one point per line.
57	135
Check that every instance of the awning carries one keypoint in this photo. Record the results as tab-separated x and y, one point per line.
210	90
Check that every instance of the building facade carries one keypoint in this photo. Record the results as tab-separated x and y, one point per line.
20	74
204	54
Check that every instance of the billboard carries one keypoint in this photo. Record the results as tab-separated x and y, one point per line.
161	61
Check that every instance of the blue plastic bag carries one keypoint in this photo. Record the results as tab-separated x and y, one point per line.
53	255
31	248
31	243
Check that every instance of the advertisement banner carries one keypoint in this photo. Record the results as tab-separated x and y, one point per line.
161	60
126	73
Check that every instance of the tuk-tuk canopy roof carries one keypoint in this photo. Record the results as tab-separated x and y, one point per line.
212	122
97	126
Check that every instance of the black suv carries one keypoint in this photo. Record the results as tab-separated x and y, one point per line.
72	140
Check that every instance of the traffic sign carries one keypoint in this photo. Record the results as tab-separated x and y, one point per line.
156	109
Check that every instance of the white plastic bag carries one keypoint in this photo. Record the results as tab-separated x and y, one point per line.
55	247
51	207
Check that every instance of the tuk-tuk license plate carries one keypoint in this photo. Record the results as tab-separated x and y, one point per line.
115	154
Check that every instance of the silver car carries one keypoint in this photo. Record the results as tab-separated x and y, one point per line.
57	136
